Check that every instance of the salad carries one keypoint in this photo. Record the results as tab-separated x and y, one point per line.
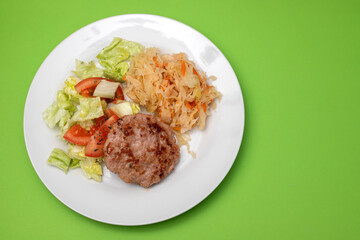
88	105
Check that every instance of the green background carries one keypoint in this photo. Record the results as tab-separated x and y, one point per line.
297	173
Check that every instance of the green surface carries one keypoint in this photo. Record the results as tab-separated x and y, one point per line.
297	173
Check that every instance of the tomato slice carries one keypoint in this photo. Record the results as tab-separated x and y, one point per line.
87	86
78	135
94	148
87	93
101	120
119	95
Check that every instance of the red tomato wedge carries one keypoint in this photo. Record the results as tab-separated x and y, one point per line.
101	120
95	146
119	95
87	86
78	135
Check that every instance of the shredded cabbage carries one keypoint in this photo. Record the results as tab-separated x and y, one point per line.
172	87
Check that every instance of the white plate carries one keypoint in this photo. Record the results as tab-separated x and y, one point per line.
114	201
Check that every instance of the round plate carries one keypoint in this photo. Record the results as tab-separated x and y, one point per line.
113	201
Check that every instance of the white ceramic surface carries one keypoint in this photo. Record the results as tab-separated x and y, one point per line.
114	201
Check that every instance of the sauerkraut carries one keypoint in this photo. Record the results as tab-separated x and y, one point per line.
171	87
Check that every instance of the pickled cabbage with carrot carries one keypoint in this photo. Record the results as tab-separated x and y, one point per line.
171	87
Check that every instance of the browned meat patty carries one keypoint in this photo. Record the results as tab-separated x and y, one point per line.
141	149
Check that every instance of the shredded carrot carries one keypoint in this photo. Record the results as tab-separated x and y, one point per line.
204	107
124	77
166	83
164	104
177	129
156	62
188	105
197	107
202	81
165	64
197	74
183	68
191	105
167	78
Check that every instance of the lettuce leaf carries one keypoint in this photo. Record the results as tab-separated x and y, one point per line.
90	108
59	159
76	151
92	169
117	73
135	108
59	112
90	166
64	102
69	89
75	163
86	70
113	56
51	115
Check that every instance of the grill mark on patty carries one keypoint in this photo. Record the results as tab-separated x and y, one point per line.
154	128
127	151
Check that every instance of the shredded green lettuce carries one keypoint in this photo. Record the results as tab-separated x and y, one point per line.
59	159
113	56
92	169
59	112
117	73
64	102
90	166
76	151
70	90
75	163
135	108
86	70
90	108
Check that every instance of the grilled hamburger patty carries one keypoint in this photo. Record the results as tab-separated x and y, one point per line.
141	149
